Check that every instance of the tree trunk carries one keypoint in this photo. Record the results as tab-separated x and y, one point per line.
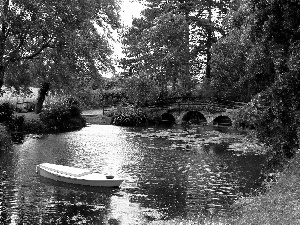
2	69
43	92
3	37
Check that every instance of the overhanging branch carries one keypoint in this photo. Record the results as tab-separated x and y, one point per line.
39	51
14	58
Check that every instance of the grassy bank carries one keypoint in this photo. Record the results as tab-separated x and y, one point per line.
279	205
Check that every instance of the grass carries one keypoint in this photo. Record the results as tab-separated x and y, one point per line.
279	205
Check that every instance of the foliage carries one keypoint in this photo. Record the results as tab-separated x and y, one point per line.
241	68
247	117
6	112
60	42
141	91
278	205
168	42
62	116
114	97
258	60
279	122
15	124
276	28
12	123
34	127
129	116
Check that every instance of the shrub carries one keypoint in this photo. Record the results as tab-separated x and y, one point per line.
247	117
16	123
34	126
62	116
6	112
129	116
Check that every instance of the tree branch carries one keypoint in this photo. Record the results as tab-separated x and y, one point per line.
14	58
39	51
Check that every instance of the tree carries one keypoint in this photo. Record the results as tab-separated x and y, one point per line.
142	90
171	38
206	22
54	41
259	59
276	27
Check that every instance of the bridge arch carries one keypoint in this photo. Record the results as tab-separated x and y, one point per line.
222	120
194	117
167	118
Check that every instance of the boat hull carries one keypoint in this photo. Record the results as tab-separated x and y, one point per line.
81	177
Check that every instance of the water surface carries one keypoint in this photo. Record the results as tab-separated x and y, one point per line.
170	173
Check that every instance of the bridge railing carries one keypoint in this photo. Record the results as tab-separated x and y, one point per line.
181	102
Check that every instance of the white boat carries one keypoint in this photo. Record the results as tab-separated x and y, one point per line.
75	175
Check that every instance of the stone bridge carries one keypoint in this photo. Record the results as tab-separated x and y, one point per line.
225	118
208	111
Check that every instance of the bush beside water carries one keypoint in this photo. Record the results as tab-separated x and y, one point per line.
62	117
58	116
129	116
6	112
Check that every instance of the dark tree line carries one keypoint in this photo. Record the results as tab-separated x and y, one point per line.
259	61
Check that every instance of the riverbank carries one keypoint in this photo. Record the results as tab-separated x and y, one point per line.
280	204
94	116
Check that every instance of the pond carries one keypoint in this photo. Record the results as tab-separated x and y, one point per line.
170	173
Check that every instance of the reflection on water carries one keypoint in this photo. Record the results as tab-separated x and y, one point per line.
169	173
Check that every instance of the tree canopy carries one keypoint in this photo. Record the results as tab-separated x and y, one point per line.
57	41
172	40
258	61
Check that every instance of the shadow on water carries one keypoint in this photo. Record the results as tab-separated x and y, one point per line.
78	187
17	137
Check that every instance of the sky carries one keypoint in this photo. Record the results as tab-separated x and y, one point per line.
129	9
